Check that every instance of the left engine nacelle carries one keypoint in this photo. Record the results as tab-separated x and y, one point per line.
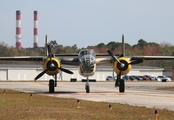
124	67
52	66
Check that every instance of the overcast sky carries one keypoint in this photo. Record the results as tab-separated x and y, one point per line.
89	22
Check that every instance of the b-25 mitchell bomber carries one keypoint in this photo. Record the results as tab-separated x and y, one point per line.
87	61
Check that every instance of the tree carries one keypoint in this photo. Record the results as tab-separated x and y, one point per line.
150	50
100	45
53	43
141	43
154	44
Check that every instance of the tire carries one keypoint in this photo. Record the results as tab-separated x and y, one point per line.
87	89
122	86
51	86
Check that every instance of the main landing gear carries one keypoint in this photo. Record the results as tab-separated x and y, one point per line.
52	84
87	87
122	86
120	83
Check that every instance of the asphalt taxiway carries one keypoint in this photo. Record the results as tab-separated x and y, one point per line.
136	93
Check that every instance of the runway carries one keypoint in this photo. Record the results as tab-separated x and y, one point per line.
136	93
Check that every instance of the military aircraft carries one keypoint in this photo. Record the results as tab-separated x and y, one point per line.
87	61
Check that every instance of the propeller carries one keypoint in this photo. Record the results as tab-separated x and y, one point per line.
122	65
66	70
43	72
40	75
116	59
113	56
51	65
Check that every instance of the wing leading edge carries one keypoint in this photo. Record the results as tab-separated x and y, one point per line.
152	57
23	58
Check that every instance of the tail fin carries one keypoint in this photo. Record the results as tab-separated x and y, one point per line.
46	48
123	46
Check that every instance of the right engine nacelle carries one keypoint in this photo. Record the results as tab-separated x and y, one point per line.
124	67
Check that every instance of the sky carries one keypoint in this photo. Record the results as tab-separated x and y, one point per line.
88	22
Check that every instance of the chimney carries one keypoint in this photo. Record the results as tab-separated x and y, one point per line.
18	29
35	29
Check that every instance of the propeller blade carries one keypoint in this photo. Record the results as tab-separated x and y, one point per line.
136	62
66	70
113	56
49	48
40	75
123	46
50	55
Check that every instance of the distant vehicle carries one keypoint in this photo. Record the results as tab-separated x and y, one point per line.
138	77
163	77
145	78
150	77
110	78
133	78
125	77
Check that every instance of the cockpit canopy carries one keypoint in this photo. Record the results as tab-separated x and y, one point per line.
87	57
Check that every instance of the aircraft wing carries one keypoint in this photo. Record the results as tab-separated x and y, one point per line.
23	58
102	55
152	58
68	59
72	59
98	55
109	60
66	55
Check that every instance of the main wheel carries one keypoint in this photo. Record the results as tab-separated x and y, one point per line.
51	86
87	89
122	86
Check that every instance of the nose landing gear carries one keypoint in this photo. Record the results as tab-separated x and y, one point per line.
87	87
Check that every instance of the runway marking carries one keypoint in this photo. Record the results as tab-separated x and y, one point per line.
85	95
155	95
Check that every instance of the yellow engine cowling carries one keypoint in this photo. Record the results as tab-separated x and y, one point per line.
52	65
123	69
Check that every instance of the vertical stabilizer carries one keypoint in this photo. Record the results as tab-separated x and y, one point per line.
123	45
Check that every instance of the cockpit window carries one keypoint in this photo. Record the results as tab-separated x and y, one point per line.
87	57
87	52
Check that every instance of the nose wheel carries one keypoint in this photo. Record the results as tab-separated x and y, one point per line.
87	87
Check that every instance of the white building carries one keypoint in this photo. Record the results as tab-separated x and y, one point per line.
25	72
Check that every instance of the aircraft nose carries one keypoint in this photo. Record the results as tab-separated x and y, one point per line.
88	62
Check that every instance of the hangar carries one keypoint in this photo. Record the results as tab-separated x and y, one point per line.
27	72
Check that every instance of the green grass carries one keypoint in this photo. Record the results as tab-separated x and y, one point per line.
20	106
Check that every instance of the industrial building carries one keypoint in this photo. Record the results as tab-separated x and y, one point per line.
27	72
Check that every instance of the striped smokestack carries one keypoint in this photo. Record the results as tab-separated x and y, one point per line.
18	29
35	29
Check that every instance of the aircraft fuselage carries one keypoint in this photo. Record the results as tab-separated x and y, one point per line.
87	65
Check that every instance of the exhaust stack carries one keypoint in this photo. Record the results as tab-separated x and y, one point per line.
18	30
35	44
